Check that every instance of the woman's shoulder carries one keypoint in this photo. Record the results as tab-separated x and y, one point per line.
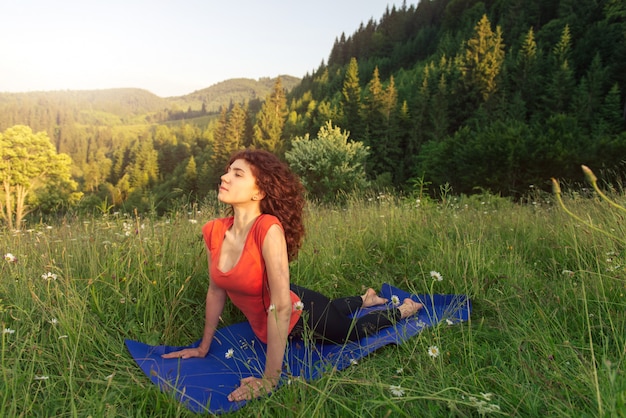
221	224
262	225
268	220
218	221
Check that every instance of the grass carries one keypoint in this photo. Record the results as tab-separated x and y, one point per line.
546	337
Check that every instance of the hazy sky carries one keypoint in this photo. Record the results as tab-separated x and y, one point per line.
170	48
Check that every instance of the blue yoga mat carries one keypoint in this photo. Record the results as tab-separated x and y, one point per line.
204	384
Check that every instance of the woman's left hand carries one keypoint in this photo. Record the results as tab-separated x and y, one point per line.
250	388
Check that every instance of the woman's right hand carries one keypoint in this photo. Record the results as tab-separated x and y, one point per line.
187	353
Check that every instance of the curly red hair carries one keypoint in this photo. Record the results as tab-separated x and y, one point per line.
284	193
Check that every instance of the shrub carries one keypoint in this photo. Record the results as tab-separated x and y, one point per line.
329	165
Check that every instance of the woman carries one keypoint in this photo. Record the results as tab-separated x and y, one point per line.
248	255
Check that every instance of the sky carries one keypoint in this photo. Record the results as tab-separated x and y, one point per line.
170	48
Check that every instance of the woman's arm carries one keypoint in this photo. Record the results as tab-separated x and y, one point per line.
215	300
278	317
277	266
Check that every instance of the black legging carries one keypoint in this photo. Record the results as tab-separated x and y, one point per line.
328	320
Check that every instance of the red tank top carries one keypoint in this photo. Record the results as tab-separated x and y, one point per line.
246	283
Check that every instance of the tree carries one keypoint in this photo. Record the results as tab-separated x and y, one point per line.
525	74
351	100
380	106
268	130
190	177
329	165
482	62
28	163
222	147
562	81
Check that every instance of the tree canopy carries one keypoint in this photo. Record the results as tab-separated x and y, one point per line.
28	164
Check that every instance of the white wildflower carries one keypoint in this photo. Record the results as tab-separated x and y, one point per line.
10	258
272	308
436	275
395	300
49	276
230	353
433	351
41	377
298	306
396	390
8	331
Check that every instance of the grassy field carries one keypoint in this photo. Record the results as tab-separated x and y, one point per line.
546	337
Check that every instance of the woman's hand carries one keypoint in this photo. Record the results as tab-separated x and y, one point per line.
186	353
251	388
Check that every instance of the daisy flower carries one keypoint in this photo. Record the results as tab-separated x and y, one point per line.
298	306
396	390
10	258
49	276
395	300
8	331
230	353
272	308
353	362
399	370
436	275
433	351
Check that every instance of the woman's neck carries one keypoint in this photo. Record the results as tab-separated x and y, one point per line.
243	219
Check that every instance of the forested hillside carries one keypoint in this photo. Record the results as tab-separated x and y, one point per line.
497	95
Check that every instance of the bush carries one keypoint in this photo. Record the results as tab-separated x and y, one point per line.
329	165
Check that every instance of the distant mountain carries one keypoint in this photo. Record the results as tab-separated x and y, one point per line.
45	110
235	90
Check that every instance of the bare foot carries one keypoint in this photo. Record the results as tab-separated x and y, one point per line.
409	308
371	298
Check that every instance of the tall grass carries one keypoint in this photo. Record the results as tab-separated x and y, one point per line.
546	336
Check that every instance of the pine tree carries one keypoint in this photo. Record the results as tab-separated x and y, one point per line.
525	75
190	177
610	119
270	121
482	61
351	101
221	151
236	128
562	83
379	114
590	94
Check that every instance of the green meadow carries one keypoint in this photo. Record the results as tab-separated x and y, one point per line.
546	335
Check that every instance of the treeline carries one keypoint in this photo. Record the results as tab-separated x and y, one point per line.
497	95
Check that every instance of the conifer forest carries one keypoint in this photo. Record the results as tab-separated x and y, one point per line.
494	95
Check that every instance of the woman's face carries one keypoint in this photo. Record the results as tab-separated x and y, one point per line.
238	185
